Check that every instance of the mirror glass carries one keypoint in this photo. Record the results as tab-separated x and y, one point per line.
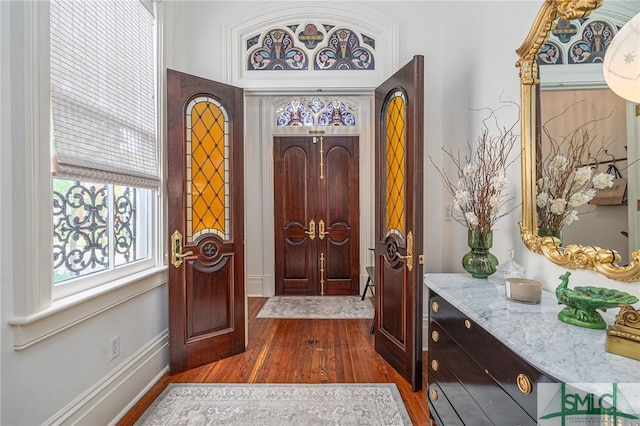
569	114
603	117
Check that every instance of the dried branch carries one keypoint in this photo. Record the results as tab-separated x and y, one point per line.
564	181
481	176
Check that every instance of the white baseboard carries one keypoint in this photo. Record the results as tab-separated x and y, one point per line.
260	286
120	390
254	286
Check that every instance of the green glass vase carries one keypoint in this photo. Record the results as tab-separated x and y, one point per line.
479	262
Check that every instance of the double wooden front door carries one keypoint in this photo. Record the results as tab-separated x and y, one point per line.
316	215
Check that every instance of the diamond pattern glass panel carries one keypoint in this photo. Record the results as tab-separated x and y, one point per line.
207	169
394	127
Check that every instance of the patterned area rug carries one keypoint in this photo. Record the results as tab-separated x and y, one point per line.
317	307
278	404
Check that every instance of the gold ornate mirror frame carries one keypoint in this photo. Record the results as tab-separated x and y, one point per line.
604	261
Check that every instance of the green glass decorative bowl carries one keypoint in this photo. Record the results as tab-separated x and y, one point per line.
582	303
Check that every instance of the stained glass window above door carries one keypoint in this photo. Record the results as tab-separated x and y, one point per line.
304	45
315	111
577	42
327	47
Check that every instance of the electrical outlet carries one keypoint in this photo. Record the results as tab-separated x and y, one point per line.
448	212
114	347
457	215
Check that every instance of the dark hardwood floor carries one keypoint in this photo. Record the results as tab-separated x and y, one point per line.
299	351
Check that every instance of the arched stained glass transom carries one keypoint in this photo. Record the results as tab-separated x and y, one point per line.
582	41
315	111
328	46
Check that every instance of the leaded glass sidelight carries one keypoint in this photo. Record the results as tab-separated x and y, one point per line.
395	140
207	162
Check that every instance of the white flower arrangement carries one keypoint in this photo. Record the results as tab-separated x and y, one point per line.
479	192
562	188
564	181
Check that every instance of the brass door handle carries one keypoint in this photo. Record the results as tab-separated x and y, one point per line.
312	229
176	249
409	256
321	232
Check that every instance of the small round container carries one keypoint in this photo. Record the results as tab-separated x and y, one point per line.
522	290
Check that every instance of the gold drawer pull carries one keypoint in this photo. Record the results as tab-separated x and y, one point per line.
435	307
435	335
467	323
524	384
434	395
434	365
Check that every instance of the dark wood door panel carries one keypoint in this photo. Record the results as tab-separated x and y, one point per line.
316	215
399	116
208	290
342	216
341	180
339	279
294	253
301	258
206	229
392	302
293	183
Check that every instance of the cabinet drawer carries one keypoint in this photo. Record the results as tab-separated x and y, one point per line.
452	402
510	371
440	408
476	396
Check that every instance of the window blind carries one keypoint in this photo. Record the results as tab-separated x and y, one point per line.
103	105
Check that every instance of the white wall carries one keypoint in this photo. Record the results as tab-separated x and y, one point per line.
4	161
469	50
67	377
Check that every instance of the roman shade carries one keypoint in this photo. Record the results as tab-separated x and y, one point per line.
103	104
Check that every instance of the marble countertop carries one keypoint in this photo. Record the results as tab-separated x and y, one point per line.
566	352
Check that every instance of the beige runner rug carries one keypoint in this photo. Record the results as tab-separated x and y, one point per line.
317	307
278	405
